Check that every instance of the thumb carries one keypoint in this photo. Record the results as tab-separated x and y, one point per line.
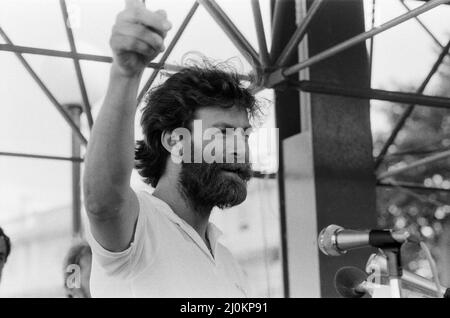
162	13
134	4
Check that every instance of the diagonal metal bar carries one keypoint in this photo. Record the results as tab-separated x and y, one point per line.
55	53
169	50
412	186
437	157
372	42
86	105
88	57
408	190
259	25
367	93
280	75
47	92
299	34
35	156
438	43
364	36
232	31
434	145
414	153
401	122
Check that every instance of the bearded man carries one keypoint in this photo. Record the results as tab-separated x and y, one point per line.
161	244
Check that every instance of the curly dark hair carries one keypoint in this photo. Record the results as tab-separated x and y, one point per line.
7	243
173	104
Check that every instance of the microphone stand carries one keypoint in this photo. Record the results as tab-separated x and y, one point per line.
395	270
391	247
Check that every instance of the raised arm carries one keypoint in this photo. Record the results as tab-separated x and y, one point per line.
112	206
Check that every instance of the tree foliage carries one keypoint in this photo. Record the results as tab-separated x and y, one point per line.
424	213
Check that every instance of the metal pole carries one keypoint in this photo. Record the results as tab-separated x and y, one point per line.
278	76
168	50
75	111
329	165
421	197
299	34
47	92
86	105
438	43
263	52
55	53
395	272
378	94
411	107
287	117
418	163
432	146
231	31
35	156
415	153
372	42
412	186
88	57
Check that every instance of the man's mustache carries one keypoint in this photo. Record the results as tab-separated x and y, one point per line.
244	170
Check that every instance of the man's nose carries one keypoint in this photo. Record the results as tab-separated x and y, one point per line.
241	152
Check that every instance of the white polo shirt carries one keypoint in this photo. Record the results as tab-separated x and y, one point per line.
167	258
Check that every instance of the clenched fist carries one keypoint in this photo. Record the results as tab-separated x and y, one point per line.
137	37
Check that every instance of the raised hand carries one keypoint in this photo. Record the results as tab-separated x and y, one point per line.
137	37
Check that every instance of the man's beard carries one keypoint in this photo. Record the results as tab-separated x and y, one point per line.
206	185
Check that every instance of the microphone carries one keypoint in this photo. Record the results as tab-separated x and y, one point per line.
335	240
377	263
350	282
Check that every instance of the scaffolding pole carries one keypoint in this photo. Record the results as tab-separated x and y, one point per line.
280	75
299	34
411	186
167	52
367	93
73	48
37	156
232	31
407	113
47	92
424	27
393	172
263	52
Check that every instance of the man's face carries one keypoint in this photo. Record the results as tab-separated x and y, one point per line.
2	255
220	177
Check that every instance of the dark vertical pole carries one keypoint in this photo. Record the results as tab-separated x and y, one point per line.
342	139
75	112
326	165
287	109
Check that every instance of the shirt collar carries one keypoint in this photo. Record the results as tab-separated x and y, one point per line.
212	231
214	234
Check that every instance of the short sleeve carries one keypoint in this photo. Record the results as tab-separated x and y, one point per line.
139	255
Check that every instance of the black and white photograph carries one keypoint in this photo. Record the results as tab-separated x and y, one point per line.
223	153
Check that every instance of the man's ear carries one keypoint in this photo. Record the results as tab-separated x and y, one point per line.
178	144
168	140
172	141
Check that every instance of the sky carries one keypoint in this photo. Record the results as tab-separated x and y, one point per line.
30	124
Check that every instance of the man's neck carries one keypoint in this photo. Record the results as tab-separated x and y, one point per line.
170	194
